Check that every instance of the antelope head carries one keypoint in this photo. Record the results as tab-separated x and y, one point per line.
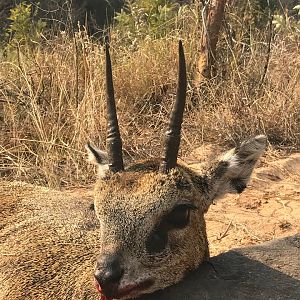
152	212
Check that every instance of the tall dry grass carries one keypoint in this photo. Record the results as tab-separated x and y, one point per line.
52	99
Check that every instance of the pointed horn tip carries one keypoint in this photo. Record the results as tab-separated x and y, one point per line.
181	52
88	145
180	46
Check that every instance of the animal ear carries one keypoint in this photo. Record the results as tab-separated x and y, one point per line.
99	158
234	169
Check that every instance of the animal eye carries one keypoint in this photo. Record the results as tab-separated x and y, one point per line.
156	242
179	217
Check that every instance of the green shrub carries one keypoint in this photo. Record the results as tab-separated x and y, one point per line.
286	23
142	18
24	29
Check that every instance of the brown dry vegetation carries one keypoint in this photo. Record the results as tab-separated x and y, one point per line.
52	99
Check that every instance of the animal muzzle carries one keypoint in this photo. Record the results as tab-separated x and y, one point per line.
108	274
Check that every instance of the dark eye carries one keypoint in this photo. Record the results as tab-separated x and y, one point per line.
157	241
179	217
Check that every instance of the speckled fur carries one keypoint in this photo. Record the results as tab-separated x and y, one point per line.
50	241
131	204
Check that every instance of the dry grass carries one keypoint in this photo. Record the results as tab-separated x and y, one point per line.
52	100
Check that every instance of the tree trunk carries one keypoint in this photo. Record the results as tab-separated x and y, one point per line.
213	15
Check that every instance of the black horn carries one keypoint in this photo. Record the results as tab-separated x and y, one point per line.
113	140
172	136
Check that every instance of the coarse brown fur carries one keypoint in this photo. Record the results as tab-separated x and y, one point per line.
48	244
141	198
50	241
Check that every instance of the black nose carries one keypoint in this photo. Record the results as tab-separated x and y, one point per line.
109	273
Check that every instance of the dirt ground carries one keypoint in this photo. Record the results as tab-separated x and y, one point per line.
268	209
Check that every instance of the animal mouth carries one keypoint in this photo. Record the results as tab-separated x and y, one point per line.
120	292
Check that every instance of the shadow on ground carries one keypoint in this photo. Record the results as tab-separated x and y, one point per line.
269	271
